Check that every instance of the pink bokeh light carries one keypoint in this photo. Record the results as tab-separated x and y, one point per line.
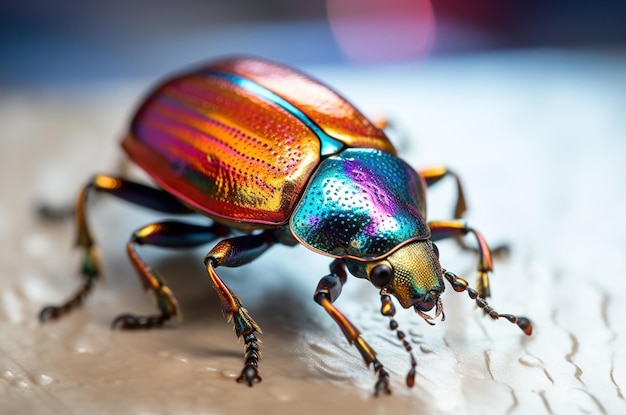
382	30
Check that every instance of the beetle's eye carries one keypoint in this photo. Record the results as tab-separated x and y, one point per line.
436	250
381	275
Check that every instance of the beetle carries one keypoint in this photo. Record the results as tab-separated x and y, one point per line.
271	156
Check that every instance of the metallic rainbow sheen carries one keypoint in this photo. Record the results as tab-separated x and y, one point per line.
328	144
363	204
330	111
239	139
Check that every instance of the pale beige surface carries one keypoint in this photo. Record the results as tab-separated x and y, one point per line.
539	140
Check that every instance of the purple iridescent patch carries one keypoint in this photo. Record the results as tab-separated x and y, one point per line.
363	204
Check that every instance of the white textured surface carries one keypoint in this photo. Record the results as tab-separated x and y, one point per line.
539	139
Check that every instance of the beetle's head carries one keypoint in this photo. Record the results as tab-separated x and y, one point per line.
412	274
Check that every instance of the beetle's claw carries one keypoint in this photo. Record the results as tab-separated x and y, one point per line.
382	385
249	375
124	321
48	313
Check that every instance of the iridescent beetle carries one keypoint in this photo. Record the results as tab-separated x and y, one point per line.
261	148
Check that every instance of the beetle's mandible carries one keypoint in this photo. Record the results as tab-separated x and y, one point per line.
261	148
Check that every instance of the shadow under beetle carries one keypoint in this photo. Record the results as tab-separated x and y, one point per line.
261	148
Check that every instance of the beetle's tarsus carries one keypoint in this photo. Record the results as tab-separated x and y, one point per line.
250	372
50	312
132	322
382	384
53	312
54	213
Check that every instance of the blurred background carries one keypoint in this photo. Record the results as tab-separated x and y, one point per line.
74	40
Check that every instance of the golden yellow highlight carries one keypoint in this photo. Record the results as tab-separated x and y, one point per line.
433	171
147	230
416	272
106	182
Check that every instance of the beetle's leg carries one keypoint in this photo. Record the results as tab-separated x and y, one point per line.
234	252
167	234
132	192
460	285
381	122
328	290
435	173
457	228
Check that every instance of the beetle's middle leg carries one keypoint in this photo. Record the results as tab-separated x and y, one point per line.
234	252
328	290
166	234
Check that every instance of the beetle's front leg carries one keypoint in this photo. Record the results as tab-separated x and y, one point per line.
235	252
328	290
457	228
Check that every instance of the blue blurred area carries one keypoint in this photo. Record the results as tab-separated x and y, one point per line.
72	40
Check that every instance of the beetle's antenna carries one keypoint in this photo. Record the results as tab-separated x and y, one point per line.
388	309
460	285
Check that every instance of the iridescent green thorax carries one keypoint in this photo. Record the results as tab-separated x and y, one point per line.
363	204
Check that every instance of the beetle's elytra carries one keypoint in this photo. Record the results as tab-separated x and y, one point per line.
262	148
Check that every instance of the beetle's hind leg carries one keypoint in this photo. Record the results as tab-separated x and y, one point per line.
328	290
166	234
136	193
